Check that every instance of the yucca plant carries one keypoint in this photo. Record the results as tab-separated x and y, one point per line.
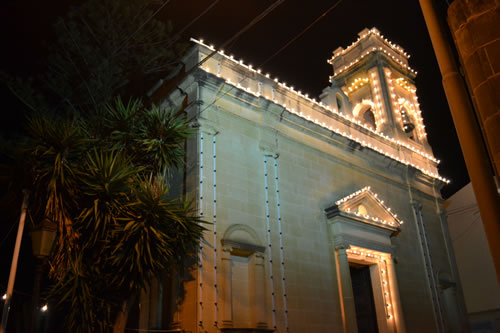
108	191
51	153
100	168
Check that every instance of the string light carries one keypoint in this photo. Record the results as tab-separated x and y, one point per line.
363	192
390	49
402	106
373	31
356	84
380	258
404	84
378	105
364	54
353	122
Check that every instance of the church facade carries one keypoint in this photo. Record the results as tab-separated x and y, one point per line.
325	214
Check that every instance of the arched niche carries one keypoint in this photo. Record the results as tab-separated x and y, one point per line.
243	280
334	97
242	237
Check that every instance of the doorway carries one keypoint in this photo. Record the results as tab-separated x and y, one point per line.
366	315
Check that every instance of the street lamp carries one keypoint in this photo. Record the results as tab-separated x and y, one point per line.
42	238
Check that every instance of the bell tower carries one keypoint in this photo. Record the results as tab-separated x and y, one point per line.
373	83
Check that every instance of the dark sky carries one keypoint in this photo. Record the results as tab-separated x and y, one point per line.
27	24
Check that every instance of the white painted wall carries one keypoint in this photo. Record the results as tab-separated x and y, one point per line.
475	265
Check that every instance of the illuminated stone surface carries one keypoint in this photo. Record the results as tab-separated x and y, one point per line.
279	159
476	30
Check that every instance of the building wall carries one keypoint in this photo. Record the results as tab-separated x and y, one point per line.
476	31
474	262
241	137
309	180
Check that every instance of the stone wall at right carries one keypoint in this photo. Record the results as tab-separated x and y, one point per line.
475	26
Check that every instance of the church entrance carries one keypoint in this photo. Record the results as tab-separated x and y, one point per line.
366	315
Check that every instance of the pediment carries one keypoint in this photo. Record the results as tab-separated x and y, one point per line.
365	206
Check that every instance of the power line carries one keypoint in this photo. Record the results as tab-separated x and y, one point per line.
473	209
301	33
170	42
230	40
466	229
8	233
237	35
462	207
180	32
193	21
142	25
268	59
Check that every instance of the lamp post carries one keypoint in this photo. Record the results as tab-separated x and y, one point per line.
42	238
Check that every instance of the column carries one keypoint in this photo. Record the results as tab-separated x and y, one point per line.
450	303
227	315
351	325
396	302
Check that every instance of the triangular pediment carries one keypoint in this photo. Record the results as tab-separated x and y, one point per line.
366	206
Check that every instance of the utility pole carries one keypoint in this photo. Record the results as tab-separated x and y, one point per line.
13	266
469	135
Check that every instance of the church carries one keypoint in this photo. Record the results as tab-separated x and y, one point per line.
325	214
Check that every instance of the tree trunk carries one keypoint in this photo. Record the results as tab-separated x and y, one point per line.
122	316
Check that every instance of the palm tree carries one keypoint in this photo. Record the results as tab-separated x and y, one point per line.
100	168
107	189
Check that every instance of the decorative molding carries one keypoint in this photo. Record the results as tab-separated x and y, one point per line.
417	205
208	127
268	149
231	246
345	231
253	239
364	206
332	211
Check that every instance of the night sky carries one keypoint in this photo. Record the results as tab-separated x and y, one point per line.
26	28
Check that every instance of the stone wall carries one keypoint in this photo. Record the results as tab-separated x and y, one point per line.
475	26
243	135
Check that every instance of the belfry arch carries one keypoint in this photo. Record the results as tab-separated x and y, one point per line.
364	112
408	120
